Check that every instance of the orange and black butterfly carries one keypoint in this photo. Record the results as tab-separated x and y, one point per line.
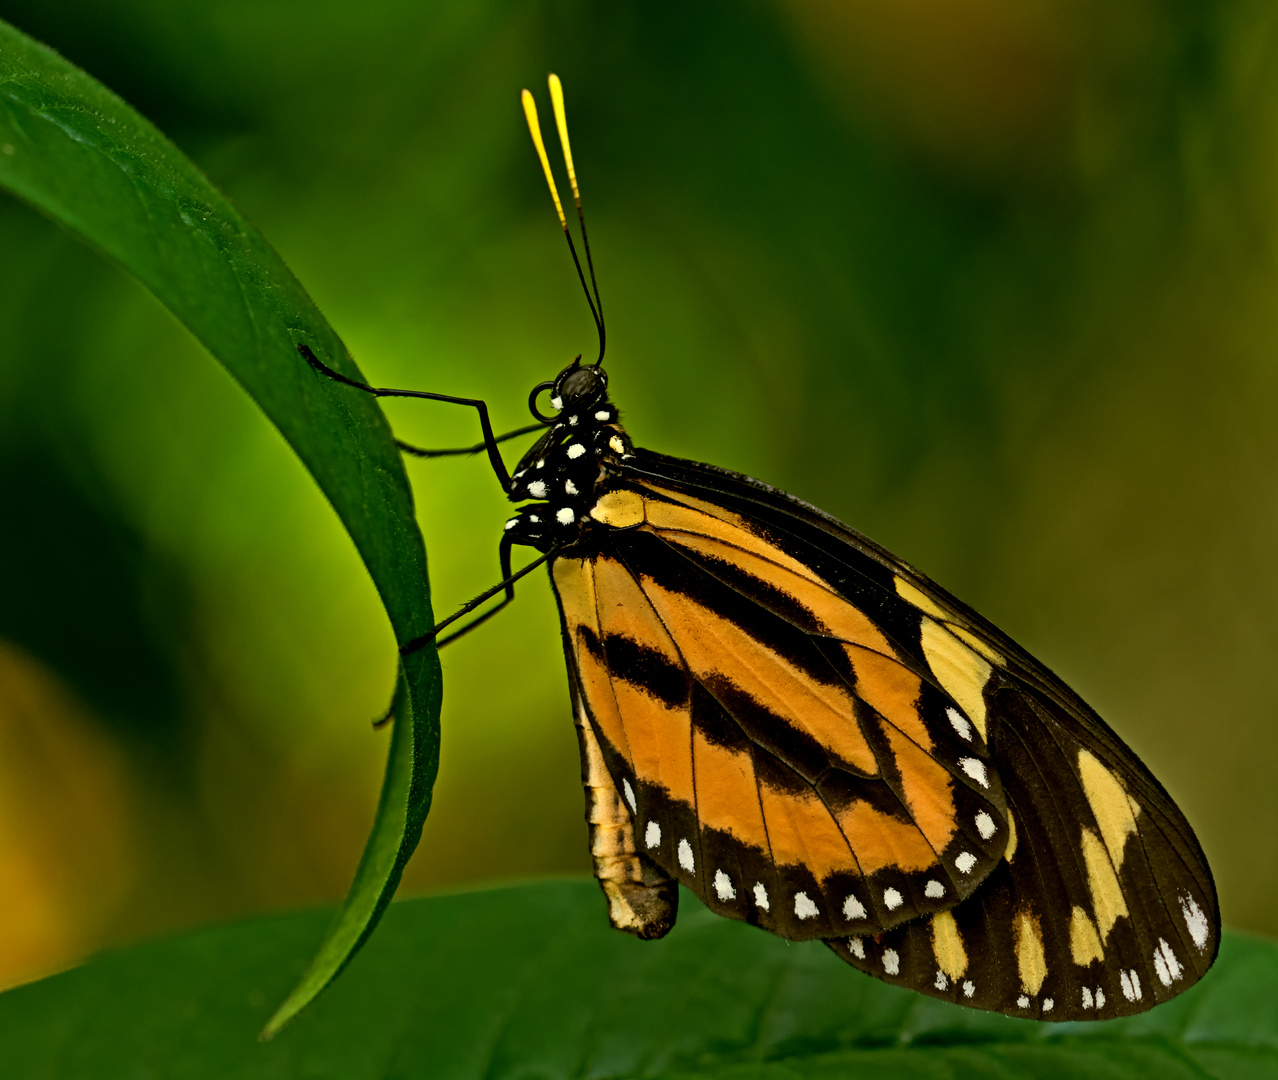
814	738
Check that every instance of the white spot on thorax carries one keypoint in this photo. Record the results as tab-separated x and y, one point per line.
965	861
975	768
603	414
853	908
617	445
891	961
630	795
652	834
969	988
856	947
960	723
934	890
803	907
570	487
565	516
723	886
537	489
533	517
541	464
685	857
572	421
761	896
1195	921
511	524
985	825
892	899
575	450
556	403
942	983
1022	1002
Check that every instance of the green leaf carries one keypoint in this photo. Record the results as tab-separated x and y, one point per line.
531	982
78	153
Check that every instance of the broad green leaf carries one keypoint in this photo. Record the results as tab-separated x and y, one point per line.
82	156
531	982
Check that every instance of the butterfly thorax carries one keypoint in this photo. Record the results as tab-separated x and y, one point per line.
565	468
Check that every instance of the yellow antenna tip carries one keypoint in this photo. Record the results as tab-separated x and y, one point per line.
534	129
561	122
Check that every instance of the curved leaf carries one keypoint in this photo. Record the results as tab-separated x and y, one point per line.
82	156
531	981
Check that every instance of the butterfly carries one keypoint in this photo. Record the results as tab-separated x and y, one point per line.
814	738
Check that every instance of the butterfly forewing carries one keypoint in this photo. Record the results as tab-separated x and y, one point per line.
784	763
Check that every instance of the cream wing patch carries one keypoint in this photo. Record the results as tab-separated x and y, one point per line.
961	671
1108	901
1115	813
947	945
1084	942
917	598
1031	958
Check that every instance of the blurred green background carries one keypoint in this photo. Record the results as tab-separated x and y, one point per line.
994	282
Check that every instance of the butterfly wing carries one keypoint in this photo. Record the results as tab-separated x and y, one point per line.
1101	902
776	753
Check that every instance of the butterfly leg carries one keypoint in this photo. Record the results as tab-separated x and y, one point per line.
507	584
490	440
417	451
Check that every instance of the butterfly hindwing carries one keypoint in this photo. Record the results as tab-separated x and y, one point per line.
1096	910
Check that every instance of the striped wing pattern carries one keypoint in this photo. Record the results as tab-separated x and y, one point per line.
817	740
777	755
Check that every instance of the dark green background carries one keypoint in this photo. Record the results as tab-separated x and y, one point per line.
995	286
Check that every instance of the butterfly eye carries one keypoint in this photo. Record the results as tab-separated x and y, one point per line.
582	386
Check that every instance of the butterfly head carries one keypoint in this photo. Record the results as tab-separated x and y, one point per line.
583	440
579	387
574	390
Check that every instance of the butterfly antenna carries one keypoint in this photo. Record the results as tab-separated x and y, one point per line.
534	129
561	121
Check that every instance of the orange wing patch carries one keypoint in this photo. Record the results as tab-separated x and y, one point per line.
891	690
659	733
929	790
727	792
802	833
575	588
882	842
715	646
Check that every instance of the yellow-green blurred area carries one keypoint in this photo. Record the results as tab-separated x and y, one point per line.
994	282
